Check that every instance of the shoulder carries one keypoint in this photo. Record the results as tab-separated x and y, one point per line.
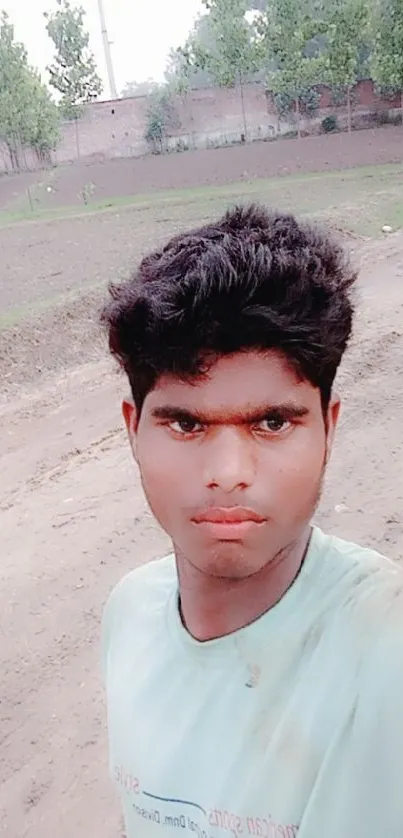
362	596
357	573
137	599
358	593
148	580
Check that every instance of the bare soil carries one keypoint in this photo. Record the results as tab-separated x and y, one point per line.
219	166
73	516
74	520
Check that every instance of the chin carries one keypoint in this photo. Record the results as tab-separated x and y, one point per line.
228	561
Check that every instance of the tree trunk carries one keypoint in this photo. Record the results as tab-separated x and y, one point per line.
245	126
189	108
298	114
77	138
349	120
30	199
13	153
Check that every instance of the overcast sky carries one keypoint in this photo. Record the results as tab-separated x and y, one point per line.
142	32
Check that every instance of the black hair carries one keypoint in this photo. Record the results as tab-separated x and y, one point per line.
255	279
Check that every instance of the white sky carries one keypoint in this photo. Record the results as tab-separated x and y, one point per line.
142	32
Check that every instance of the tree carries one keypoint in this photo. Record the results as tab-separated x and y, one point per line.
42	126
181	61
232	56
181	70
142	88
161	118
73	72
344	24
388	53
28	116
287	29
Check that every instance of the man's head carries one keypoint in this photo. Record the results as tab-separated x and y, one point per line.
231	337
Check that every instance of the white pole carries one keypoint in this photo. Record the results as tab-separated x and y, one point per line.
107	50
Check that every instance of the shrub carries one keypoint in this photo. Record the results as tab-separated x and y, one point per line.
161	119
309	101
181	146
381	118
329	124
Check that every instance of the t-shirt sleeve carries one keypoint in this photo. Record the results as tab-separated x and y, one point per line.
379	724
363	774
112	618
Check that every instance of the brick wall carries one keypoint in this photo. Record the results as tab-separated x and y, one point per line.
203	117
212	116
116	129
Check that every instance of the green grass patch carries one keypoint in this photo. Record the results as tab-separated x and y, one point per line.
360	199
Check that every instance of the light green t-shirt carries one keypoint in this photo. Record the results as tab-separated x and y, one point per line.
292	726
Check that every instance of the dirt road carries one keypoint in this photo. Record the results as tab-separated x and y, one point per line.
73	521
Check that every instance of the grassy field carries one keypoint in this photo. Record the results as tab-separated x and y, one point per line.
358	200
56	265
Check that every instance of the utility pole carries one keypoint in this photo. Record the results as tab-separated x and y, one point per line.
107	50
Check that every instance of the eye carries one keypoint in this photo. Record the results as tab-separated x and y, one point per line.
185	427
274	425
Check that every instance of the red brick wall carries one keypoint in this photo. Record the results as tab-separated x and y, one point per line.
116	129
364	96
212	116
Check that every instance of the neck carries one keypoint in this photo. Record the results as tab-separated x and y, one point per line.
214	607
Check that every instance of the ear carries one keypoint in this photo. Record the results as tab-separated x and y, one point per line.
332	418
131	421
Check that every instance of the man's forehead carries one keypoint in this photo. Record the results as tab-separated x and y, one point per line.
252	366
239	385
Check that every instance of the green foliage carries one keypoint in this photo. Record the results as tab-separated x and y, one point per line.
28	116
294	45
344	24
231	54
309	99
387	65
284	103
329	124
161	118
135	88
178	72
43	120
73	72
290	135
342	95
182	70
286	30
387	91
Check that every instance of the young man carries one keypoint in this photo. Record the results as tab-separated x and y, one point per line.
255	677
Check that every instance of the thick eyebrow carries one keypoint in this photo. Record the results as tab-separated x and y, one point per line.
287	411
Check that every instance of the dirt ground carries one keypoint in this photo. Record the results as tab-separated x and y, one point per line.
125	177
73	521
73	517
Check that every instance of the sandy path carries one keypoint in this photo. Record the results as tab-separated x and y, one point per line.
73	520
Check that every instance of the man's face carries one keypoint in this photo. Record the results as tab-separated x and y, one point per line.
232	463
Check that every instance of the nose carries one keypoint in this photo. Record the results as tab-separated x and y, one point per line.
229	462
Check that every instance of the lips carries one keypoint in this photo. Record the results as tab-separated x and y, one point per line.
228	516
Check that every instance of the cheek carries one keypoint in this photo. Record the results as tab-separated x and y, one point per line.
164	469
299	466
